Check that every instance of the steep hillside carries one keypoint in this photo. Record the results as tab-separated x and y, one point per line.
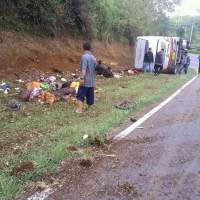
21	52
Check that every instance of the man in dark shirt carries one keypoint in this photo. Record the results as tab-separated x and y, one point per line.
148	61
86	90
159	62
185	63
99	68
102	70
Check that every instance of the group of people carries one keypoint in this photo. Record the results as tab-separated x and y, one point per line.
88	64
150	65
157	66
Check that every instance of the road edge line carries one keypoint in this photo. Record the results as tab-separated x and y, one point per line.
131	128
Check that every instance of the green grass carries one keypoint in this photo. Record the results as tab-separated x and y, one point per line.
42	134
9	187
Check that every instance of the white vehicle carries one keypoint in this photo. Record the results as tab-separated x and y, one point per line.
171	46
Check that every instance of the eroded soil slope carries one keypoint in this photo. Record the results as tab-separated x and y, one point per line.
19	52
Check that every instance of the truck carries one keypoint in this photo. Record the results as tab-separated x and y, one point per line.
173	51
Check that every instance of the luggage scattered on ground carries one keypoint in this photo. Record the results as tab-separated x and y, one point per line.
45	86
5	87
33	85
51	79
49	88
48	98
117	76
24	95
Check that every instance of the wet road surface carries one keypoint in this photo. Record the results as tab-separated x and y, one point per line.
159	162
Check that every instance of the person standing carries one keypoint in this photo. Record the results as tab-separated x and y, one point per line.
159	62
199	63
185	63
148	61
86	89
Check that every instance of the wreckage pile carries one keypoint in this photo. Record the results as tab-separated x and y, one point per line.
40	87
36	86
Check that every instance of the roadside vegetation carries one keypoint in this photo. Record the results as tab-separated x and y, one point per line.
186	27
102	19
39	136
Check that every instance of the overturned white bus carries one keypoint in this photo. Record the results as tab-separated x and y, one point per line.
173	50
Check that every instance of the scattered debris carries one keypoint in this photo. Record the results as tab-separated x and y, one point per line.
87	163
30	74
51	79
98	141
133	120
63	79
13	105
125	105
128	189
20	81
5	87
108	156
85	137
44	86
24	95
72	149
24	167
55	70
17	89
133	72
48	98
75	85
35	94
33	85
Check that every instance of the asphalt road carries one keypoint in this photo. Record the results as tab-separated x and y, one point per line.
194	61
159	162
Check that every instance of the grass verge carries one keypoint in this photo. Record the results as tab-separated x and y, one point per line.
42	135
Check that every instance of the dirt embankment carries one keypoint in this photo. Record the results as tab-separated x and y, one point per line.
19	52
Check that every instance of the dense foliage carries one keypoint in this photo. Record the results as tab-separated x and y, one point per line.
104	19
187	27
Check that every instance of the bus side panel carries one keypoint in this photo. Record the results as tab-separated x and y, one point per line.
139	53
166	46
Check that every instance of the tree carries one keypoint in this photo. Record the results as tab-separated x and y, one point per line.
104	19
180	32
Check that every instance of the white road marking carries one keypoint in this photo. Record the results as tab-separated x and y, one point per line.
131	128
46	193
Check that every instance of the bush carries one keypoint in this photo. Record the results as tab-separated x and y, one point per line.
103	19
